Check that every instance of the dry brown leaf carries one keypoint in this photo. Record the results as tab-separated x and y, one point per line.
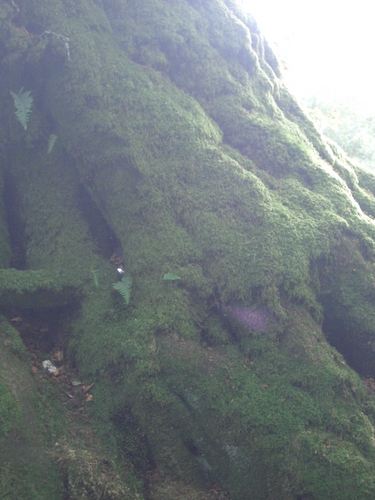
17	319
7	342
34	369
370	383
58	372
86	388
59	355
88	397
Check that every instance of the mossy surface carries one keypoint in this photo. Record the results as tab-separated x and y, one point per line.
173	119
29	421
35	289
43	452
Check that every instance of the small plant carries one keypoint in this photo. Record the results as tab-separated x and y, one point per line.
51	142
23	102
95	277
171	277
124	288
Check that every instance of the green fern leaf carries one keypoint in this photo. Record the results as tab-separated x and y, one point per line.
23	102
51	142
124	288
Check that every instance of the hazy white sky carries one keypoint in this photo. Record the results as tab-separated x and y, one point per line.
328	46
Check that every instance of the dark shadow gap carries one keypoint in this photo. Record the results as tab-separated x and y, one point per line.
357	348
102	234
15	222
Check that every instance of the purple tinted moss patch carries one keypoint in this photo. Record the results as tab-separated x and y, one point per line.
253	318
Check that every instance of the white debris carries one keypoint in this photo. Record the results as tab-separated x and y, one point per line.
49	367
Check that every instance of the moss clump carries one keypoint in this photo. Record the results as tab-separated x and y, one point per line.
36	289
10	337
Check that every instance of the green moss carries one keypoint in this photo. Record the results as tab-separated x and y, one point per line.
321	451
11	338
35	289
88	474
30	421
9	412
347	292
203	165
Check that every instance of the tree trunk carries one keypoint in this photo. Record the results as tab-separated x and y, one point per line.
162	142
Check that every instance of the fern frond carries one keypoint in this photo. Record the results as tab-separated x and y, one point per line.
51	142
23	102
124	288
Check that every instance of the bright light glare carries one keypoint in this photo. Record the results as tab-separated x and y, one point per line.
327	46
